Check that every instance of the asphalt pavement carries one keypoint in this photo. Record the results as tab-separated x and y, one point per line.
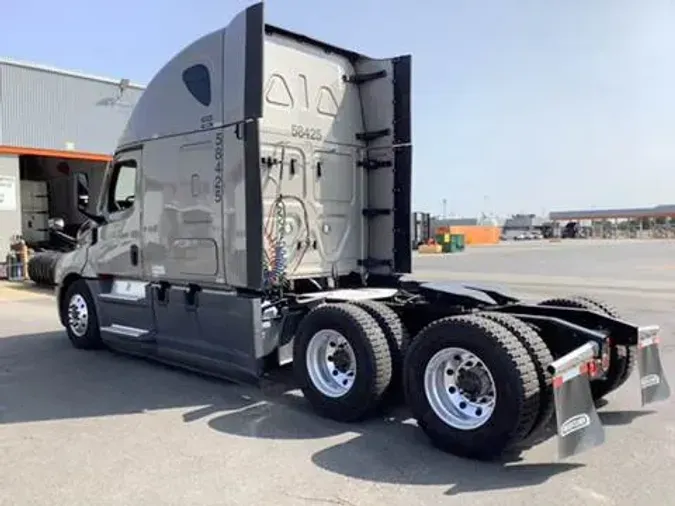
96	428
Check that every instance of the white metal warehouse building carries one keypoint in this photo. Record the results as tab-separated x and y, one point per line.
53	123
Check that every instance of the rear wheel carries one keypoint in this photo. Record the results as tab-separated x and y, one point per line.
79	314
397	339
621	358
341	361
541	358
471	385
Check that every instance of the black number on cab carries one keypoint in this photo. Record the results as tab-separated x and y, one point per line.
303	132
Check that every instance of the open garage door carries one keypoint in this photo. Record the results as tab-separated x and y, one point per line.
48	190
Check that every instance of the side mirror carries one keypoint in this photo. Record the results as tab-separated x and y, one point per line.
56	224
82	185
82	192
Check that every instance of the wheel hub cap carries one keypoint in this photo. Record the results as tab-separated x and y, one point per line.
459	388
331	363
78	315
473	382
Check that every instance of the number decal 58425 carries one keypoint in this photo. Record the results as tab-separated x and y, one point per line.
312	134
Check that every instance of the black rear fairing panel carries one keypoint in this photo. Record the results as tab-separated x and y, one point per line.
254	206
384	87
402	164
254	58
252	23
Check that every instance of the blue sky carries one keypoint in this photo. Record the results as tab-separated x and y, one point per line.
518	105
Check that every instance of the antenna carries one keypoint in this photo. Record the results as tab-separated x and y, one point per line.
121	88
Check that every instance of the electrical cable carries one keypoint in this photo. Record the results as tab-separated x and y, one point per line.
275	260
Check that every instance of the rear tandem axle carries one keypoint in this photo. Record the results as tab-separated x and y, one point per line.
480	378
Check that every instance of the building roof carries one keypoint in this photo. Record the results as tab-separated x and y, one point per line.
453	222
600	214
70	73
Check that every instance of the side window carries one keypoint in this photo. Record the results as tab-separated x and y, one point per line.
198	82
122	190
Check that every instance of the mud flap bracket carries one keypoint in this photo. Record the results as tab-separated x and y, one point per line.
579	426
654	385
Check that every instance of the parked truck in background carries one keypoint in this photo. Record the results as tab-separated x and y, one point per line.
420	225
257	213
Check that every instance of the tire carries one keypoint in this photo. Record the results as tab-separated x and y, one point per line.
515	384
397	340
31	269
363	339
629	352
541	358
622	358
88	336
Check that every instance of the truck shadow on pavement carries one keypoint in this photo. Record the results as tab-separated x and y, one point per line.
43	378
391	448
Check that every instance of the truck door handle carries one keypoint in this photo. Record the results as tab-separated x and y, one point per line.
133	252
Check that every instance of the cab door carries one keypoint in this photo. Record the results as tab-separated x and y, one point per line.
123	295
118	252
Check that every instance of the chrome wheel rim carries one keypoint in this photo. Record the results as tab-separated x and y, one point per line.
460	388
78	315
331	363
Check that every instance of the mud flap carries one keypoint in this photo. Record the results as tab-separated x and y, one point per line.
653	382
579	426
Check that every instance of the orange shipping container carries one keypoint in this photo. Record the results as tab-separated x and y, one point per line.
477	234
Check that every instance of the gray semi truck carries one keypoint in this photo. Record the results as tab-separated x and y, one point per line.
256	214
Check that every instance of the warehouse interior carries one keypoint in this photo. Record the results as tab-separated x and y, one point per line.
48	189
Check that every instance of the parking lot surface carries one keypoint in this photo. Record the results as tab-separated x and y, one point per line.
96	428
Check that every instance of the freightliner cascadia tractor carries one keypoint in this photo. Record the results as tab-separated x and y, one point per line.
256	213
